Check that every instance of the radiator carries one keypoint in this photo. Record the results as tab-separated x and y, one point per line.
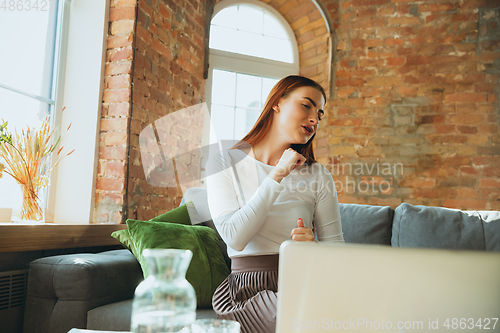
13	286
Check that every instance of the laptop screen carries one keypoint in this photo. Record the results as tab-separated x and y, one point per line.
377	288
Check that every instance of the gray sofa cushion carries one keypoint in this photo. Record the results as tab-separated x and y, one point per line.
62	289
366	224
436	227
110	317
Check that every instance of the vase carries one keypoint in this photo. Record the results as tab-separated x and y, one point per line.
31	208
165	301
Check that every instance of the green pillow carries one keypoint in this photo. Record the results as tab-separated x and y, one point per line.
207	269
185	214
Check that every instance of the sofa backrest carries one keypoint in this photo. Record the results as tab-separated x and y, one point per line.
366	224
437	227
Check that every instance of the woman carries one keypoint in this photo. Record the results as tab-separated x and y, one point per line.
260	199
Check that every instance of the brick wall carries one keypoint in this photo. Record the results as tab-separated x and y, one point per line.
413	115
115	123
416	103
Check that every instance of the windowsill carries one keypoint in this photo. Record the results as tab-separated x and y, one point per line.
19	237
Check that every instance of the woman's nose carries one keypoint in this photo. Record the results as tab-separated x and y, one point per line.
313	119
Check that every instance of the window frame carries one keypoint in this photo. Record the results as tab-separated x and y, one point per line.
5	213
72	198
241	63
77	84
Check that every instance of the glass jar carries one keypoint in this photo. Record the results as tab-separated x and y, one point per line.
165	301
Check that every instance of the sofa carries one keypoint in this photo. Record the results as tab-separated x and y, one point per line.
95	291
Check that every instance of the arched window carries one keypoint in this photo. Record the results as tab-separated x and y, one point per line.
251	48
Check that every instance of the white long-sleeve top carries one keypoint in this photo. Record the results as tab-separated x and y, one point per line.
254	214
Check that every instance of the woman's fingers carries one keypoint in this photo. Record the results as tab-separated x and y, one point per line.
302	234
303	237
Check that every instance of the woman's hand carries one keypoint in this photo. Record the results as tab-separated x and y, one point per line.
302	233
290	159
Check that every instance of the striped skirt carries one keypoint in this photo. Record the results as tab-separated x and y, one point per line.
249	294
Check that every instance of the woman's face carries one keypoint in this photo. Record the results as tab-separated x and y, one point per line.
303	107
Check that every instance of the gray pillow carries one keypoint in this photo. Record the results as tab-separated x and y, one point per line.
438	227
366	224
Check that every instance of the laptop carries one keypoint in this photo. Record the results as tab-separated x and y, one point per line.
378	288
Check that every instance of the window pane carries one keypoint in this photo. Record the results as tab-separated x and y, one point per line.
234	120
250	19
248	88
20	111
258	33
267	85
276	49
27	39
273	28
244	121
223	87
223	121
227	18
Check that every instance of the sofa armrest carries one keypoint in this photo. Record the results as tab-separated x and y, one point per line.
62	289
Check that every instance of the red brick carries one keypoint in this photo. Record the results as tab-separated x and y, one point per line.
444	129
122	13
490	183
490	160
125	53
119	109
465	204
350	83
119	41
491	171
114	124
112	153
374	42
114	197
418	60
438	119
110	184
358	43
123	67
394	41
345	122
359	3
469	170
115	138
123	3
396	61
465	119
120	95
467	129
490	193
476	98
345	92
403	21
118	81
404	90
114	168
362	131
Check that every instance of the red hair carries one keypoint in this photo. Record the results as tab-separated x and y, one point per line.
262	126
